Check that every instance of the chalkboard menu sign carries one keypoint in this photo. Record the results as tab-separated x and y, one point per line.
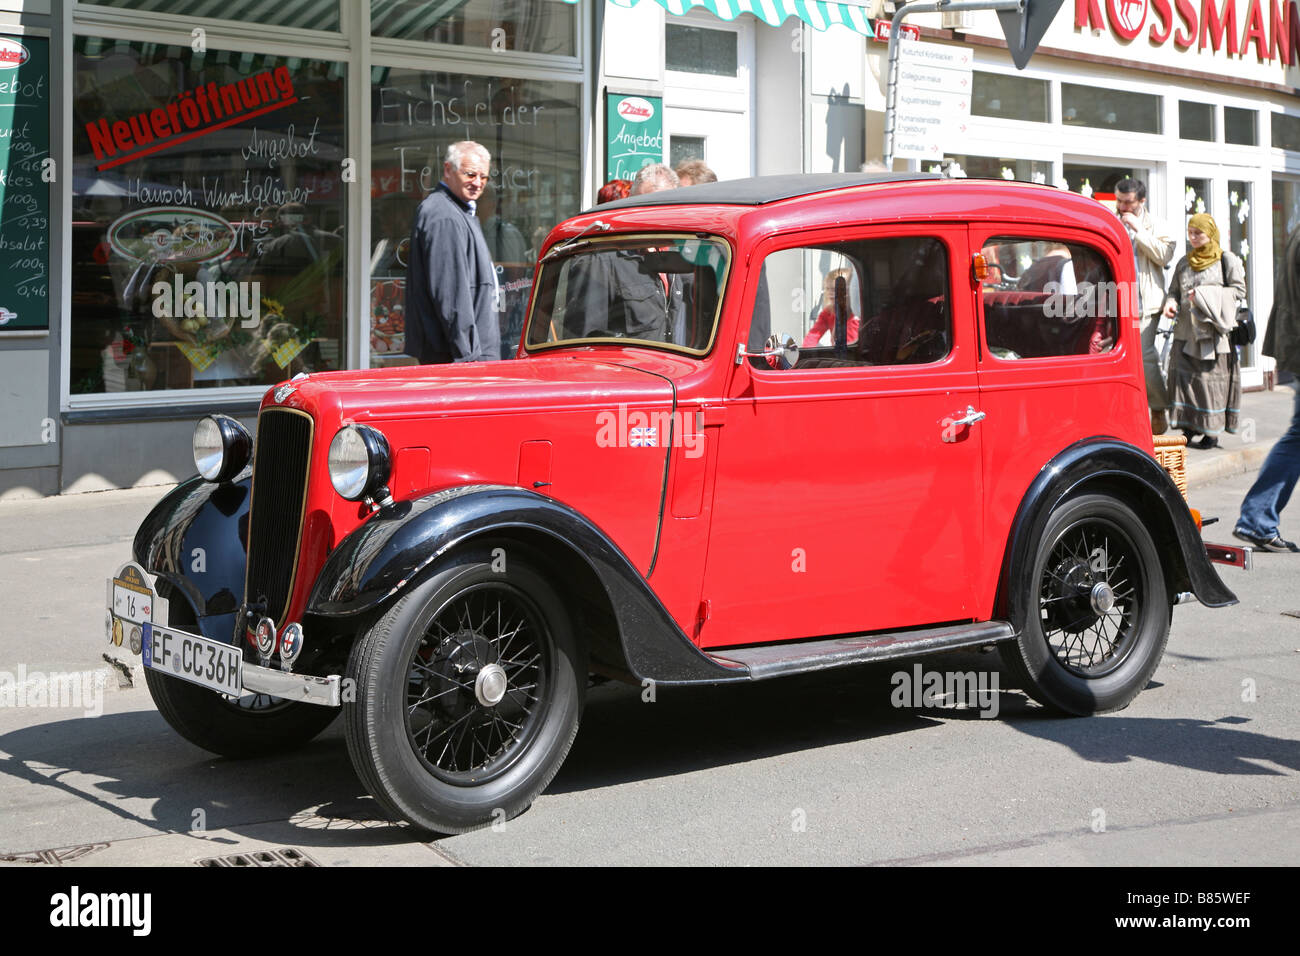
634	127
24	185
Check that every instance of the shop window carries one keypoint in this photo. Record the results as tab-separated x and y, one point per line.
1009	97
683	149
993	167
1286	131
207	217
1286	213
522	26
699	50
1044	298
1239	126
854	304
1100	181
1241	209
1196	196
532	128
1109	108
311	15
1195	121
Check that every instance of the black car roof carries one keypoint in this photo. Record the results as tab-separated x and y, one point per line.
759	190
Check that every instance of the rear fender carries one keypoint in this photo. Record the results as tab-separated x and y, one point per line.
1105	464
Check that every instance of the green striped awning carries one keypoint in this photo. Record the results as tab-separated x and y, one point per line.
819	14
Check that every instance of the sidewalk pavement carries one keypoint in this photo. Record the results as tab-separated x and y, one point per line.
1265	416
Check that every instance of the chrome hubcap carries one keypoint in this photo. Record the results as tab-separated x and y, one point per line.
1102	597
490	685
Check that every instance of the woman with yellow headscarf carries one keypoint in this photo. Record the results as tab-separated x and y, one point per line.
1207	287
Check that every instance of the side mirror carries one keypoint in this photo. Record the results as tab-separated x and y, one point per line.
779	352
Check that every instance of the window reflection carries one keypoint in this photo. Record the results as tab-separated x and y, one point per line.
208	217
531	128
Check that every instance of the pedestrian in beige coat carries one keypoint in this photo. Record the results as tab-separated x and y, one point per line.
1153	249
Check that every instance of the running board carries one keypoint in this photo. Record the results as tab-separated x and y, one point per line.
781	660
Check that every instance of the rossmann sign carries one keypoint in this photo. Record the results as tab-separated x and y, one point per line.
1268	30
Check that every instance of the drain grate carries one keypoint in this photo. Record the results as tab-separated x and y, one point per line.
286	856
55	857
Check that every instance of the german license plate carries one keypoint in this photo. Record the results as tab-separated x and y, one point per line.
209	664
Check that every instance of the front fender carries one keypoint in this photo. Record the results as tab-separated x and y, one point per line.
400	543
1112	463
196	539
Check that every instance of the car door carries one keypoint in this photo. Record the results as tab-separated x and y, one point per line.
847	492
1060	357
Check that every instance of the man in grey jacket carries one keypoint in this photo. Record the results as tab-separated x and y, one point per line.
1153	249
451	287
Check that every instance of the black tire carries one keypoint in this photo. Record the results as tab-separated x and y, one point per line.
432	737
1098	609
251	726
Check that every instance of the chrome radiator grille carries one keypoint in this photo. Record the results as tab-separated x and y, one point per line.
281	464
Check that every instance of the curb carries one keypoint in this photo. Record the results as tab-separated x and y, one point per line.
1241	461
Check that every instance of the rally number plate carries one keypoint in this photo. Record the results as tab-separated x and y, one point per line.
209	664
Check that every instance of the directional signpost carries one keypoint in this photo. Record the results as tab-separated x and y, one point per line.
933	108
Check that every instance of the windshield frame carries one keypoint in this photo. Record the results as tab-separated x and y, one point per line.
556	256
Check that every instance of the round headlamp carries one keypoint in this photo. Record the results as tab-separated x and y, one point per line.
222	447
359	462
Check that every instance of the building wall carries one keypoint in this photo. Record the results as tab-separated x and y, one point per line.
30	438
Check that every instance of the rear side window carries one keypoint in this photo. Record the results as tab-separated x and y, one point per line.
1044	297
853	304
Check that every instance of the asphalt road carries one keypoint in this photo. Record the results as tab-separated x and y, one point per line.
1200	769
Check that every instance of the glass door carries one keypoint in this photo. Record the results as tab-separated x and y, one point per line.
1240	215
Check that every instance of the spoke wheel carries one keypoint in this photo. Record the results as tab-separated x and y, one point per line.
476	684
468	693
1096	609
1089	602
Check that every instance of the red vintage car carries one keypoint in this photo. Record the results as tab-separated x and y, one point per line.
665	487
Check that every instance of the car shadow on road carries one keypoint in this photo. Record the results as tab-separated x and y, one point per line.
1212	746
132	766
632	733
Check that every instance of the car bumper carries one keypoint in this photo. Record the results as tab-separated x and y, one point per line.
135	622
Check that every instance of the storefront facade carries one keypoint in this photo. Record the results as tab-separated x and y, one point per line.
226	188
233	190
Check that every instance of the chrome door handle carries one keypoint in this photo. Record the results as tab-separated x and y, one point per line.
970	418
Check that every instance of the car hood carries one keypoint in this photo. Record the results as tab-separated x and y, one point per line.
569	381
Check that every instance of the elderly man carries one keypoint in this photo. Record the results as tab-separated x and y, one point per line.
653	178
451	287
1153	249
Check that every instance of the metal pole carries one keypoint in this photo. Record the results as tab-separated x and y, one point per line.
924	6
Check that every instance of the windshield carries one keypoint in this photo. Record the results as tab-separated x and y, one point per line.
663	290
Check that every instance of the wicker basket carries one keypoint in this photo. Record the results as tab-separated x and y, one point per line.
1171	452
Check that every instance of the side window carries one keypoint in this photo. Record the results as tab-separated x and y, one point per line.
853	304
1043	298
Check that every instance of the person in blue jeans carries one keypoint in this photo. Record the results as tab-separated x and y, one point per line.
1271	491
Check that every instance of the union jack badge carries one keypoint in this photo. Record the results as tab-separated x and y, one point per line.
641	437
